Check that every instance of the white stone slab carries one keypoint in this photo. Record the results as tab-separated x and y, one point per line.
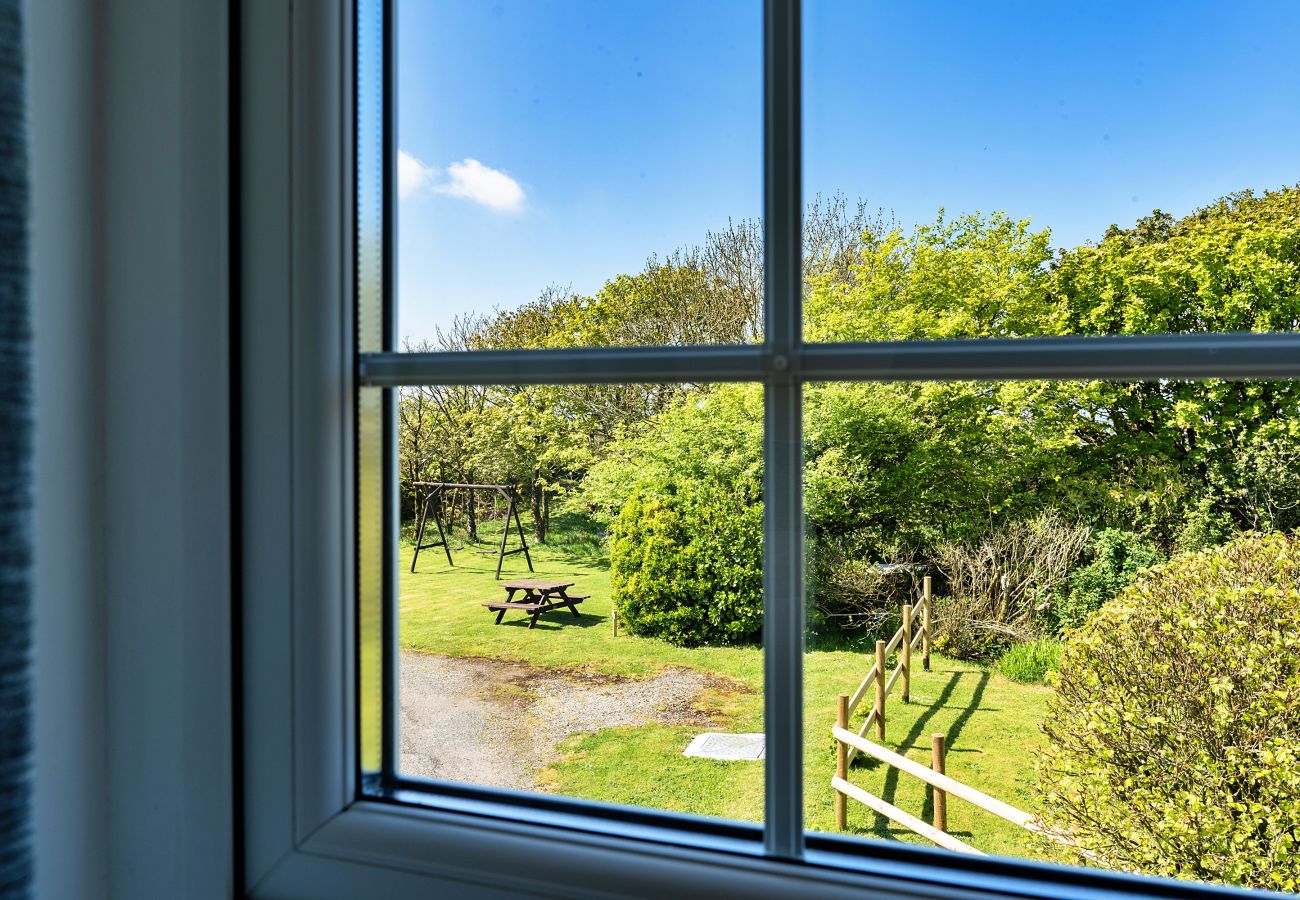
713	745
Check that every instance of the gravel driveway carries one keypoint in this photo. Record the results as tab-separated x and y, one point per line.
493	723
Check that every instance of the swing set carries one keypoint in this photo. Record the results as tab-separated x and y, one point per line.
433	505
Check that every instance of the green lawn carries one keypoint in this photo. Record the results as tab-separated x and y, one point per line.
991	723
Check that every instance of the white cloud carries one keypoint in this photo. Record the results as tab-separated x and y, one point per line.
483	185
411	174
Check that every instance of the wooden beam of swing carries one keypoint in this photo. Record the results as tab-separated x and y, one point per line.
508	491
448	484
513	510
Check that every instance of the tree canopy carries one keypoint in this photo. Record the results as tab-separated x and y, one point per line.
895	471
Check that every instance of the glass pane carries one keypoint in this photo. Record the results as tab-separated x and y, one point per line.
1085	598
1037	169
578	173
580	592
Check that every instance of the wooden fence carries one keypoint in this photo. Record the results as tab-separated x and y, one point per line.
909	638
848	744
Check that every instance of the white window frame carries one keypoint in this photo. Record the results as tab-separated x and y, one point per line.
308	831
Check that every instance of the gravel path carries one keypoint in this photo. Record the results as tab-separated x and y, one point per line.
490	722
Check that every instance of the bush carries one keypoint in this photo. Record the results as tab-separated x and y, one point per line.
688	568
1000	587
1205	525
1174	736
1117	557
1030	663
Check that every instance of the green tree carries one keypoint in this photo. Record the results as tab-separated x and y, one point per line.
969	276
1233	266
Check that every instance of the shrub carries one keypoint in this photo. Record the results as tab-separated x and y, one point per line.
999	587
688	568
1030	663
1117	557
1174	735
1205	525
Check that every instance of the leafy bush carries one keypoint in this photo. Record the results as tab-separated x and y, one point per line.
1000	587
688	568
1030	663
1174	736
683	499
1117	557
1205	525
709	439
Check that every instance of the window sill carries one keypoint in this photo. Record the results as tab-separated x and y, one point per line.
375	848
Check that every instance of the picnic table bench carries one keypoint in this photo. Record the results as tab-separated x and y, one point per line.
539	596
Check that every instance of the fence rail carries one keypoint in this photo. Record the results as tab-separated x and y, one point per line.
848	744
906	819
906	639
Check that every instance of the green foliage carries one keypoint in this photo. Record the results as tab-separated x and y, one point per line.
686	538
1263	484
1234	266
1117	558
892	468
688	568
971	276
1174	731
1205	524
707	437
1030	663
905	472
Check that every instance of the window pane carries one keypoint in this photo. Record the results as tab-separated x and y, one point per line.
1109	574
579	173
1034	169
639	503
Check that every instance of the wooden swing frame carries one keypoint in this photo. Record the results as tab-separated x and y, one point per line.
433	503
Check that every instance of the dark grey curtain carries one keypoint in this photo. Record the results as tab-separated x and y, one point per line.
15	469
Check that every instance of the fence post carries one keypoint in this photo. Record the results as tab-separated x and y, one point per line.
925	623
613	618
937	752
907	653
842	765
880	690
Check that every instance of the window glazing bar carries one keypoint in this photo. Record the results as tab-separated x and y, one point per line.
596	365
1118	357
783	615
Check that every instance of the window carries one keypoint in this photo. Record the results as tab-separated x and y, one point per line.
349	818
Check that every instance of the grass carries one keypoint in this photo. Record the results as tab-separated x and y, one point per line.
1031	663
991	723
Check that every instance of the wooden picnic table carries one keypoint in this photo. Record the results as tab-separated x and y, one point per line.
539	596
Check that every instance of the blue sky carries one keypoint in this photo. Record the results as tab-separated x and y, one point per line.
563	142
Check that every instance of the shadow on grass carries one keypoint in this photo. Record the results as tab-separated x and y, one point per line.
572	539
882	827
557	622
